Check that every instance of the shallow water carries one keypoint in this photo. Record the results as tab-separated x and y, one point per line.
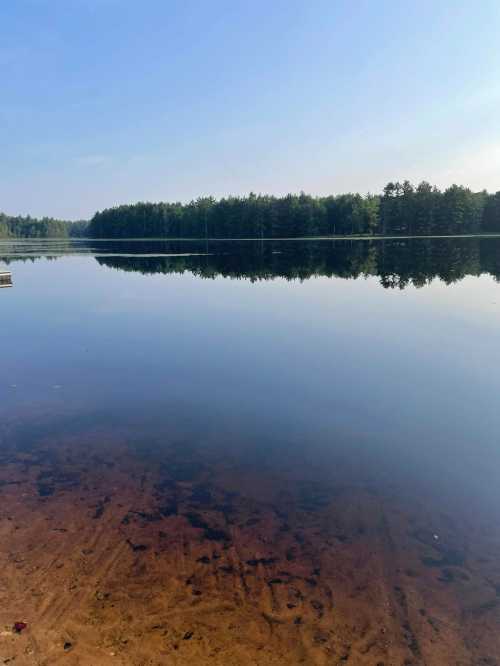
286	451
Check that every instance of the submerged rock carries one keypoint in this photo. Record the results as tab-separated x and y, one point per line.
19	627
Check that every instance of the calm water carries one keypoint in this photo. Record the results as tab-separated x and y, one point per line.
312	348
351	364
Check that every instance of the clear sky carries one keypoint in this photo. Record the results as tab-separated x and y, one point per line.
114	101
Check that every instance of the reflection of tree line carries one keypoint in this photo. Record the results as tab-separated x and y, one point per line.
32	258
397	263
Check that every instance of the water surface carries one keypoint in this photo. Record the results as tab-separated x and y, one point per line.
297	441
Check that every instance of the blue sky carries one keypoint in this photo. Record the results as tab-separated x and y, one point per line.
114	101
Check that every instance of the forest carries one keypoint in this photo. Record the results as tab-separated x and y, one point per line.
401	210
47	227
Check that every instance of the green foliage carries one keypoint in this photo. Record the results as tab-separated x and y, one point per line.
401	210
428	211
47	227
78	229
28	227
255	216
491	214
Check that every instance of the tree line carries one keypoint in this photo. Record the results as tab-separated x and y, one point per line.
47	227
401	209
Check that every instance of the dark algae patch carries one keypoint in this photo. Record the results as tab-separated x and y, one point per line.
136	547
203	560
266	561
209	533
45	489
447	558
201	495
216	535
170	509
51	481
100	508
195	520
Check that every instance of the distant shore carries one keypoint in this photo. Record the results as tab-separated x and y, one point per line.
254	240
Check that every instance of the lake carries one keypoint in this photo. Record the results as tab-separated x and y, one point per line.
251	452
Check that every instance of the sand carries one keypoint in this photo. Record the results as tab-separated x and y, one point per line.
111	557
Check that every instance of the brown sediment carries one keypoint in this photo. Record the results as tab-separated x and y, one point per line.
110	558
